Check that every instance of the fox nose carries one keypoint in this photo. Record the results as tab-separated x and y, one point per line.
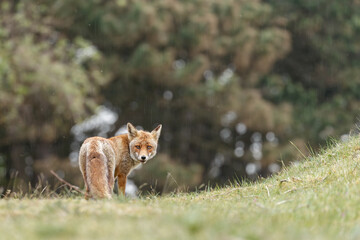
143	157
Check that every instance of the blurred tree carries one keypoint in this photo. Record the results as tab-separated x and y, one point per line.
192	65
46	84
320	76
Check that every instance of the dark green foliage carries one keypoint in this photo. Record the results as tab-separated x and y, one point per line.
320	76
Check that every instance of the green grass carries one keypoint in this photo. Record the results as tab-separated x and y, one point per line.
316	199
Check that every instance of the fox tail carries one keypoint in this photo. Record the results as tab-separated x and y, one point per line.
98	176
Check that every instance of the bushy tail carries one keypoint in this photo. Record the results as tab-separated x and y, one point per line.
98	178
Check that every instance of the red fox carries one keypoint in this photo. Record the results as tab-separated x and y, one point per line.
101	160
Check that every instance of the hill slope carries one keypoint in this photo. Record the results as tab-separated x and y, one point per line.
316	199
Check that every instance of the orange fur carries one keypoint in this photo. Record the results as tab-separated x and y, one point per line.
101	160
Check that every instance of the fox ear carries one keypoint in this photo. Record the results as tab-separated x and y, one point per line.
132	132
156	132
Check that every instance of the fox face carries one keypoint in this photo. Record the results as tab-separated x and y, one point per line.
143	144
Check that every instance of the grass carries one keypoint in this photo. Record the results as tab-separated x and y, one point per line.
316	199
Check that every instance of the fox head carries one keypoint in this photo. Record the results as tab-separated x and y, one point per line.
143	144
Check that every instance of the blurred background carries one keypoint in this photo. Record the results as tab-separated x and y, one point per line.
236	85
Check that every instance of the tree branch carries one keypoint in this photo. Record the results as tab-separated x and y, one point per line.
70	185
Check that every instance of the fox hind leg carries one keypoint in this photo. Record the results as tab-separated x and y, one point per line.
87	193
82	165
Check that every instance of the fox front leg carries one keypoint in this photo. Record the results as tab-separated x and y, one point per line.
122	183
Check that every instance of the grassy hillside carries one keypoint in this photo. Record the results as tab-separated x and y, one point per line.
316	199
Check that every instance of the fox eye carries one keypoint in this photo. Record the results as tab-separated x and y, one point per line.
137	146
149	147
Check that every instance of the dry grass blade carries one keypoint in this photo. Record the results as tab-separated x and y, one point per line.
268	192
227	192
